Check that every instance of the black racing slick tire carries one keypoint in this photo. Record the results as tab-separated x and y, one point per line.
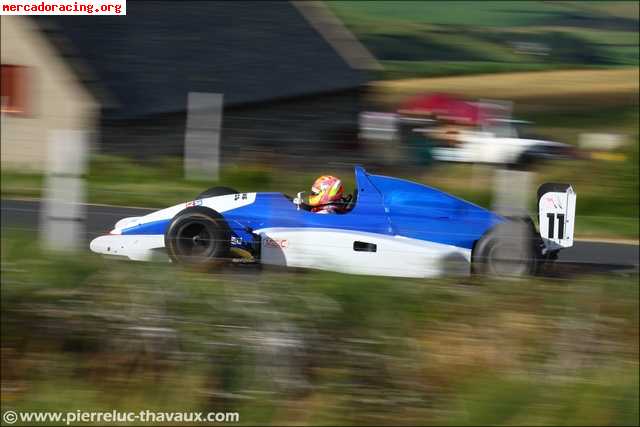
198	237
509	249
216	191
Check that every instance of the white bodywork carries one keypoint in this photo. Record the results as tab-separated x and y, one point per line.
333	250
219	204
135	247
141	247
485	147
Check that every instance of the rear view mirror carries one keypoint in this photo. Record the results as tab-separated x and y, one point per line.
298	200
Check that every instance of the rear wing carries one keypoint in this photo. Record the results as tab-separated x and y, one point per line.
557	213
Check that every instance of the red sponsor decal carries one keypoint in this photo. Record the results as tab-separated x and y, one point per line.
277	243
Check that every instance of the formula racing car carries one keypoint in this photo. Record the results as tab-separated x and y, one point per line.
390	227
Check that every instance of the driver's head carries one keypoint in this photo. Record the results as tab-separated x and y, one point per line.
326	189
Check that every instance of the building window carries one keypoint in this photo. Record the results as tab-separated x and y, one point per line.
14	89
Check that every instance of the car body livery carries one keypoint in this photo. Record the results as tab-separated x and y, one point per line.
391	227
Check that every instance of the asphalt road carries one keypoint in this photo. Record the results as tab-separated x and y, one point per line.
584	256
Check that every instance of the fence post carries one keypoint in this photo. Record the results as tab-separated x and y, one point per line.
202	136
63	213
511	192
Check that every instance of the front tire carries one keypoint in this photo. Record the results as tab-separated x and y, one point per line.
509	249
198	237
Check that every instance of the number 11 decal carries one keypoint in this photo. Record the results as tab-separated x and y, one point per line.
552	220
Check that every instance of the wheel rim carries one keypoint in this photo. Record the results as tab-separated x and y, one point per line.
194	240
508	260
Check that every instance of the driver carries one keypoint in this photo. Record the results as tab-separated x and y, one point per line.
327	195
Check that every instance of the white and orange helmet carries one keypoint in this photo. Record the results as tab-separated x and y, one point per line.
326	189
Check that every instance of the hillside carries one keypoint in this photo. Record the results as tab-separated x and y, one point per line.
446	38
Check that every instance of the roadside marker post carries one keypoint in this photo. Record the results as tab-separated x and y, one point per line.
202	136
63	212
511	191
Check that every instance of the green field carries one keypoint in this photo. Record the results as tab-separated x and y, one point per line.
418	38
307	348
557	91
486	13
437	68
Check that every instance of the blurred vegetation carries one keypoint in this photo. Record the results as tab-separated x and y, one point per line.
412	69
81	331
414	39
556	92
159	182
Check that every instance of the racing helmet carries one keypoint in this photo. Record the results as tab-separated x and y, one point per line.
326	189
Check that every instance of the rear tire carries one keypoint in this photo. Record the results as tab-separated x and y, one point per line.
509	249
198	237
216	191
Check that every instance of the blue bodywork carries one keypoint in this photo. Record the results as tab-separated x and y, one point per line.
383	205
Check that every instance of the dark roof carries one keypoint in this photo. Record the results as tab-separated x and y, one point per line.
251	51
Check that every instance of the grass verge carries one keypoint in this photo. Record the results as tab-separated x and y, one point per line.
308	348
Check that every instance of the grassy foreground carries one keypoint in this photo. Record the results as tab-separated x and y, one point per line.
313	348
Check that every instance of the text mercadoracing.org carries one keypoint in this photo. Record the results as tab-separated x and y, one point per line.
63	7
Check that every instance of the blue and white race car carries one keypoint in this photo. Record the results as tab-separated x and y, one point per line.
390	227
